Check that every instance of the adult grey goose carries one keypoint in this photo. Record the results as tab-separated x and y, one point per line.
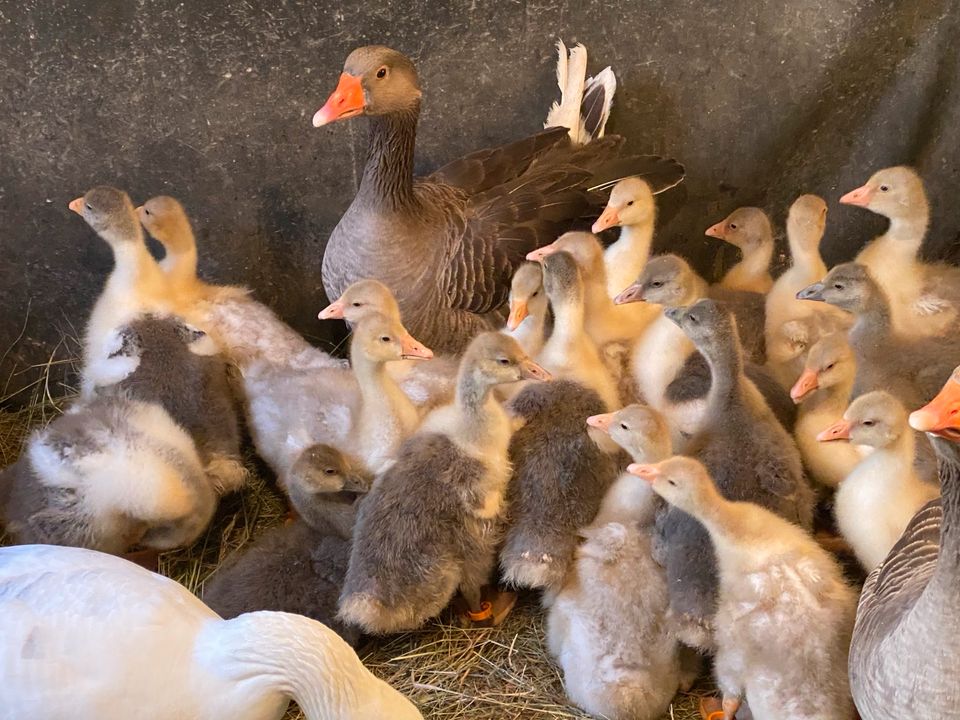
906	642
447	244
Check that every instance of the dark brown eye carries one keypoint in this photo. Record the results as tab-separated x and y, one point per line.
88	206
624	426
355	303
838	286
884	188
503	361
830	366
733	226
672	483
329	471
535	293
630	203
385	338
146	212
868	423
382	73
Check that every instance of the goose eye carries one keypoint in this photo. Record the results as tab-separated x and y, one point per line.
88	206
624	426
503	361
693	319
830	366
146	212
884	188
382	73
355	303
838	286
657	283
671	482
630	203
384	338
868	423
732	226
535	293
329	471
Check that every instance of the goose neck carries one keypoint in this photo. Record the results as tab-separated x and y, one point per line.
388	175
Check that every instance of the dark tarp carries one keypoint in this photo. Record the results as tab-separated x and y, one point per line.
211	102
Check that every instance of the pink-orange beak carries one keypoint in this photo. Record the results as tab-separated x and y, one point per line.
601	422
840	430
540	253
861	196
805	384
632	294
718	230
941	416
333	311
610	217
346	101
76	205
518	313
413	349
530	370
647	472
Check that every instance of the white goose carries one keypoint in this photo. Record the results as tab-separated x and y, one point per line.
124	642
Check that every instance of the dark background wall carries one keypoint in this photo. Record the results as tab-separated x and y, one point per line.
211	102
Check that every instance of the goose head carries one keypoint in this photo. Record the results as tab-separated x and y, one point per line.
562	281
748	228
876	419
381	339
375	81
806	221
829	363
707	323
638	429
892	192
323	470
847	286
493	358
681	481
584	247
527	296
361	298
631	203
941	416
110	213
666	280
166	221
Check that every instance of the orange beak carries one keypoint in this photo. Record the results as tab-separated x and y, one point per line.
840	430
414	350
861	196
333	311
609	218
941	416
346	101
530	370
805	384
601	422
633	293
518	313
76	205
540	253
717	230
647	472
